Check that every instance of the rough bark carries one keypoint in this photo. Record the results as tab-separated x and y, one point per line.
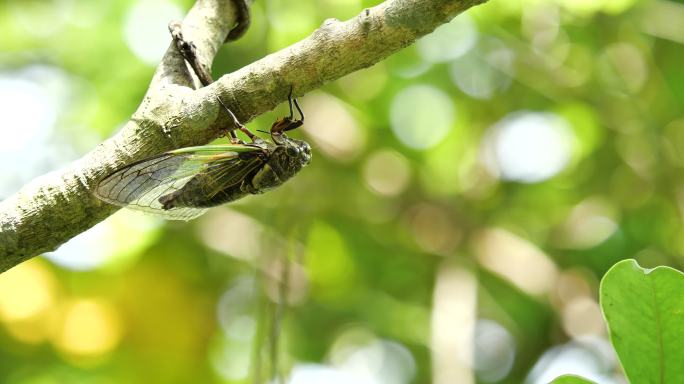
55	207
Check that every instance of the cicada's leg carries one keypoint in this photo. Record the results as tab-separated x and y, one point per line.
288	123
291	100
238	124
293	122
233	138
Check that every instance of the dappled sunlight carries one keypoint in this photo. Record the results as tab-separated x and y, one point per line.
108	245
360	357
421	116
40	18
589	224
145	29
236	309
622	67
664	20
582	317
495	351
571	285
528	147
29	115
517	260
484	71
465	199
230	356
232	233
433	229
288	22
28	295
332	127
449	41
359	353
365	84
387	173
453	325
86	328
591	358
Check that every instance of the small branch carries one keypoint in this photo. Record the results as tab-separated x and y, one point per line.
332	51
243	20
55	207
188	50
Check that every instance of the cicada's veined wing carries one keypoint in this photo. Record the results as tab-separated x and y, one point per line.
140	185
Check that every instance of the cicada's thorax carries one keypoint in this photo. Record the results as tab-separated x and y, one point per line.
285	160
273	167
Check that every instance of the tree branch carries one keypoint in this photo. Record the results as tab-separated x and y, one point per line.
55	207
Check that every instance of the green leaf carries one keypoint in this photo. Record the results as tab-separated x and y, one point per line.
571	379
644	309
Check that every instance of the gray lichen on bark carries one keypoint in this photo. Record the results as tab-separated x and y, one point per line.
55	207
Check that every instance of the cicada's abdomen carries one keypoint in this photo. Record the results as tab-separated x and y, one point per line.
197	194
223	184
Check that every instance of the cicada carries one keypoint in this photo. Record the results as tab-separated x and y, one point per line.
182	184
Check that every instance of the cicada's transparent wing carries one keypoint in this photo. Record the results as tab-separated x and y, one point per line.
140	185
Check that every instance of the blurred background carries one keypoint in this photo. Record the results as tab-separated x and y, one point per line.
465	197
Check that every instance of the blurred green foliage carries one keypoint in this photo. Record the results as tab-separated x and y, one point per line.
465	197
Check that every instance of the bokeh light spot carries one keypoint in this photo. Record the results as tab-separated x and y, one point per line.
484	70
32	104
26	290
145	29
529	147
332	127
108	244
387	173
494	351
582	317
589	224
236	307
454	302
663	19
41	17
360	353
623	67
231	357
24	104
448	41
422	116
517	260
365	84
88	328
433	229
591	358
571	285
87	14
219	225
316	374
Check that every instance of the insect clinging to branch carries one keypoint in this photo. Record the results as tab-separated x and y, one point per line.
181	184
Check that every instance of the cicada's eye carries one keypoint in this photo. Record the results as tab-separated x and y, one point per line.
292	151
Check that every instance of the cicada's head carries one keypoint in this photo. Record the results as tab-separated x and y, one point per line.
291	155
286	158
